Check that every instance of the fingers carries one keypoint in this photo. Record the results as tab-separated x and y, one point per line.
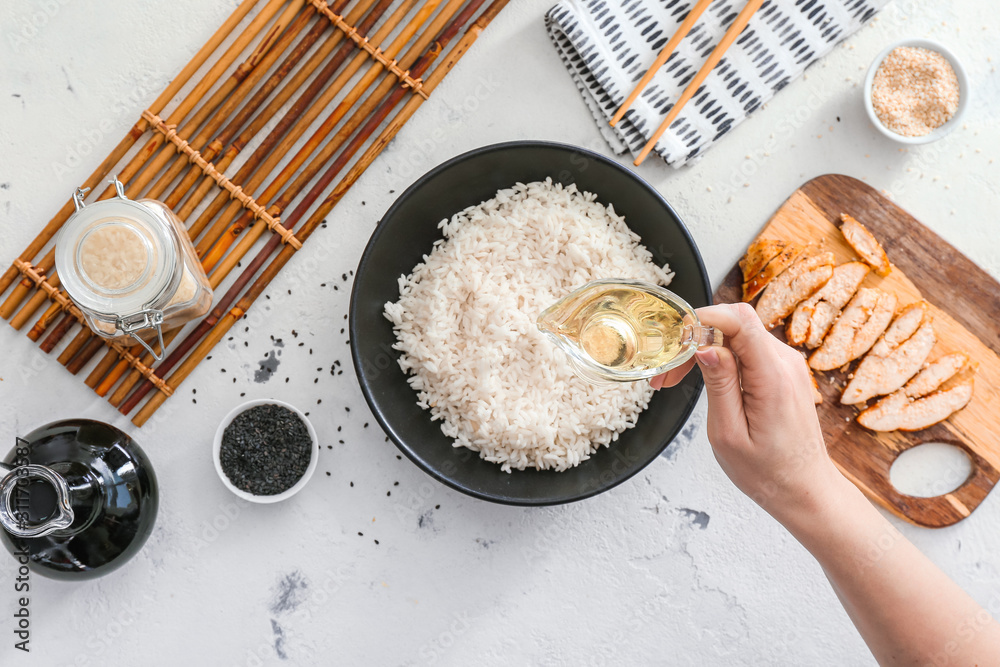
726	418
744	334
673	376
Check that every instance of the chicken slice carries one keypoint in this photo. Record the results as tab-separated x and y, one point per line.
758	255
813	317
756	281
900	412
866	245
903	326
935	374
796	283
894	358
879	374
856	330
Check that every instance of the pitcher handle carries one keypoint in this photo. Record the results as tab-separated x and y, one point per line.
705	336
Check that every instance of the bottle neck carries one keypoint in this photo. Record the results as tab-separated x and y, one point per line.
34	501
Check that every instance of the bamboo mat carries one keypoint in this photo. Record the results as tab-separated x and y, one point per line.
313	86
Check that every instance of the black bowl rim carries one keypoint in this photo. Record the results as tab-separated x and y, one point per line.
352	323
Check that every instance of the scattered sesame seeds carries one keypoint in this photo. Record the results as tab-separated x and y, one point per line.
915	90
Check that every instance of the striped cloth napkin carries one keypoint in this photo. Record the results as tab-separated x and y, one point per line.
607	45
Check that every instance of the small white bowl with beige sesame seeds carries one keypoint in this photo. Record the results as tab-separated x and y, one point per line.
911	128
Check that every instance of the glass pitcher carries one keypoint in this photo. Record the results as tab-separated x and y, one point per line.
78	498
620	330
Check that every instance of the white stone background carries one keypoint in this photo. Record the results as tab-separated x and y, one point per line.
629	577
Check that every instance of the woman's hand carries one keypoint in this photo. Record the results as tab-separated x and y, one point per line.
762	421
763	428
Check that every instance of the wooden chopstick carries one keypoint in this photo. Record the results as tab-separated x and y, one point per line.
682	30
713	59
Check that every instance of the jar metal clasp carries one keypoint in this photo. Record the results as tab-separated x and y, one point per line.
144	319
82	192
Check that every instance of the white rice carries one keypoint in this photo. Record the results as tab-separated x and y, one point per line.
465	324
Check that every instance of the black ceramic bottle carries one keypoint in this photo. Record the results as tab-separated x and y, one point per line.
79	497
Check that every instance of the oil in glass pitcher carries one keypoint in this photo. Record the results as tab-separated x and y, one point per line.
625	330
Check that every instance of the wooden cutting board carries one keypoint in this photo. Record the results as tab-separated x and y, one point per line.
965	304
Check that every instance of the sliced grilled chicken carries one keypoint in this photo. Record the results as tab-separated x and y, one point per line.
813	317
755	281
881	374
899	412
866	245
758	255
798	282
903	326
935	374
864	319
894	358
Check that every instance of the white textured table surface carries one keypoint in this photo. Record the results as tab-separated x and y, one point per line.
673	567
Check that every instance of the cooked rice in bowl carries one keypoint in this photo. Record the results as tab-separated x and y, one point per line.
465	326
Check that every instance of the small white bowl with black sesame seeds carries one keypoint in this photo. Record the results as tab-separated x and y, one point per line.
217	446
964	92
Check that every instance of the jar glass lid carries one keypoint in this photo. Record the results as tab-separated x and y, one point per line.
115	257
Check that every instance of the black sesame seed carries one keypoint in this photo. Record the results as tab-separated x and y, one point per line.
265	450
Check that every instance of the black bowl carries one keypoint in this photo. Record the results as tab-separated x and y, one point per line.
406	233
